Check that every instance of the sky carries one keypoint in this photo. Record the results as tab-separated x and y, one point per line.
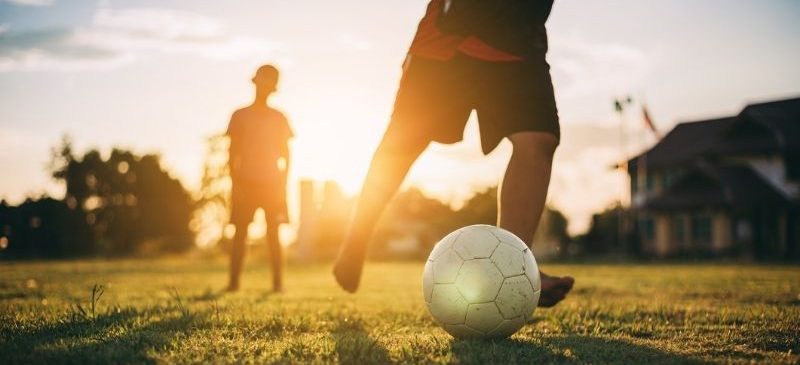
162	76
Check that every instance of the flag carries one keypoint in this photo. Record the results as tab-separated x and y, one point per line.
649	121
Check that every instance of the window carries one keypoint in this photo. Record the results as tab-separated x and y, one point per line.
701	229
792	161
650	181
744	231
671	176
679	230
647	229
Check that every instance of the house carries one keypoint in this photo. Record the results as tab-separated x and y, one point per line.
722	187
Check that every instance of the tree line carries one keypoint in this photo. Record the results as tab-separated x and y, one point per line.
117	205
128	204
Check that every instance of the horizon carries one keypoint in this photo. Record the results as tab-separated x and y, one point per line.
168	75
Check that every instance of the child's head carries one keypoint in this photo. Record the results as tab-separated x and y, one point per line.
266	79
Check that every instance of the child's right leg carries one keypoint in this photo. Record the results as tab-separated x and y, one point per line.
390	164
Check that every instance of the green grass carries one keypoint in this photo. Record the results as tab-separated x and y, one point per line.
170	311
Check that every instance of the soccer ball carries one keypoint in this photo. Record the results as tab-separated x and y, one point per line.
481	281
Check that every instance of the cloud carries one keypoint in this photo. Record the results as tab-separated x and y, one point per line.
31	2
159	23
118	37
352	42
584	68
585	183
53	50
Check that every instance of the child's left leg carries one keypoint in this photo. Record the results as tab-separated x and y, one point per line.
275	254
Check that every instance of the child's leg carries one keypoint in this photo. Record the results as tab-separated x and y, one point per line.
522	199
275	254
237	256
390	164
524	189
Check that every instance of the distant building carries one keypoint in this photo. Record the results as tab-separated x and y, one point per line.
309	214
722	187
323	218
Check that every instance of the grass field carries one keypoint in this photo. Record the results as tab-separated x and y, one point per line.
170	311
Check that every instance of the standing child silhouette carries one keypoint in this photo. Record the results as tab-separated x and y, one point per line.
259	163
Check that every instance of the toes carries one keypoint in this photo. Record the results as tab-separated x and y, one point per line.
551	298
345	280
568	283
557	293
550	301
564	284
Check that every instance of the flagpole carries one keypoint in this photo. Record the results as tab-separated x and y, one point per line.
619	106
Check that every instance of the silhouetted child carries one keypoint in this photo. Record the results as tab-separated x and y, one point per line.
259	163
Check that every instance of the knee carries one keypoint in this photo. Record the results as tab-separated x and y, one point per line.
399	143
534	145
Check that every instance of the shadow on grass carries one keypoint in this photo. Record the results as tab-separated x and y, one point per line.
124	336
563	349
355	346
208	295
268	295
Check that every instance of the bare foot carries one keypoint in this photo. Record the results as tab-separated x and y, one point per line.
554	289
347	268
232	288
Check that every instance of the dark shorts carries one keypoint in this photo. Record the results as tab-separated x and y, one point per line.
435	99
247	196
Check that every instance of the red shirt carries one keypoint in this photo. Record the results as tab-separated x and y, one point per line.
431	43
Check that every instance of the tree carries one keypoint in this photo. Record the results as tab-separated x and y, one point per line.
603	236
131	203
412	213
44	228
428	220
213	204
482	209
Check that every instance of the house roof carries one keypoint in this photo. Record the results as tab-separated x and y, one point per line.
760	128
684	142
728	186
782	116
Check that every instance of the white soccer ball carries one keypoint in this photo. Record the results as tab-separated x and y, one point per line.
481	281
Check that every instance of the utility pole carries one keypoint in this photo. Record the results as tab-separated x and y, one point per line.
620	105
